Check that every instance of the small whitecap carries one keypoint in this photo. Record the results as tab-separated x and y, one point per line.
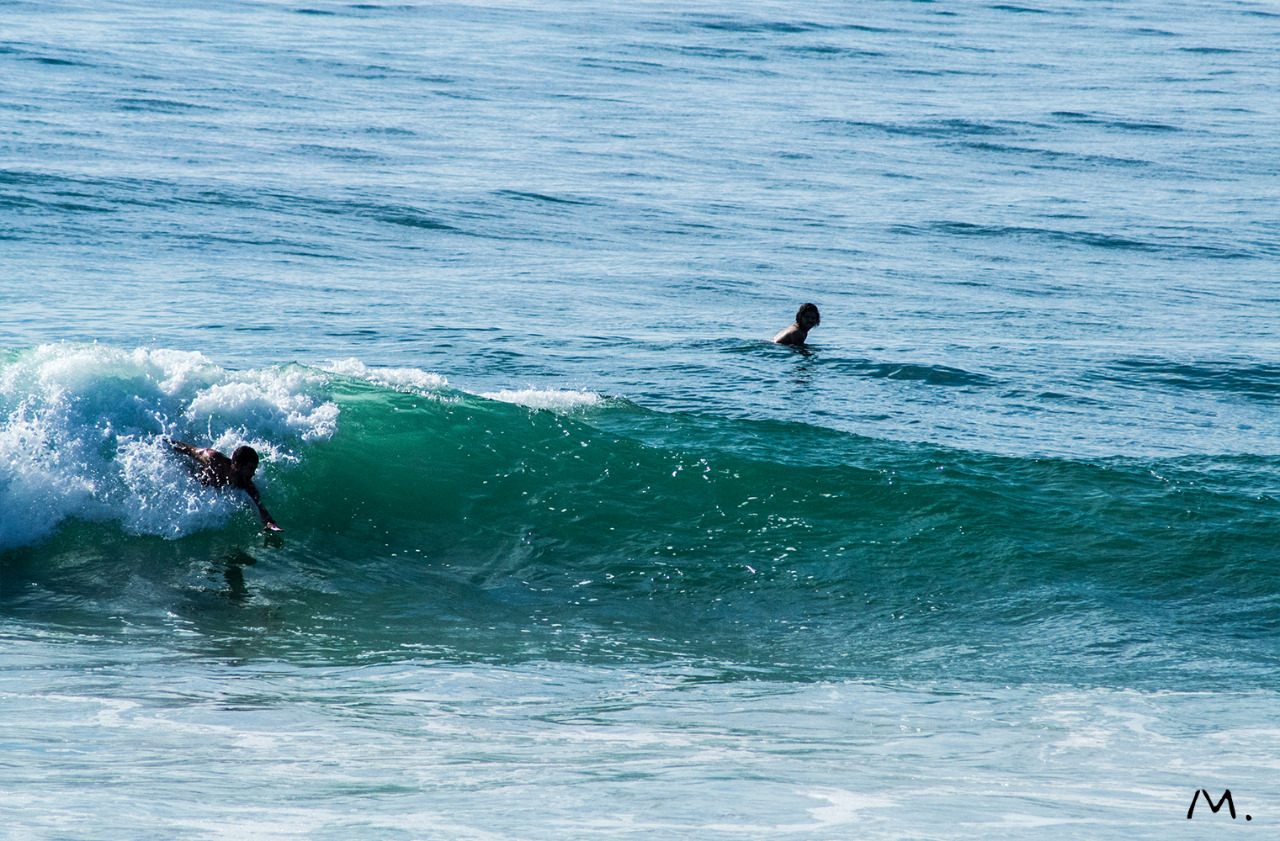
554	400
409	380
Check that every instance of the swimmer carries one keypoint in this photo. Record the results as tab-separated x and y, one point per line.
806	319
215	470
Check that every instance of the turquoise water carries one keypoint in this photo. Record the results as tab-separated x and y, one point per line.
571	550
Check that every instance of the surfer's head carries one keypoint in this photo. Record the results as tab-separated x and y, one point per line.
807	317
244	461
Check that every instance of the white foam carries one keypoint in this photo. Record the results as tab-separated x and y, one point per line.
81	431
270	402
554	400
409	380
844	807
37	487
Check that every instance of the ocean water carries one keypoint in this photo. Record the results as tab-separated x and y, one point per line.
570	549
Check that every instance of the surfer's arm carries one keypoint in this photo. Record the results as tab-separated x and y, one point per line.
202	462
184	449
202	455
268	521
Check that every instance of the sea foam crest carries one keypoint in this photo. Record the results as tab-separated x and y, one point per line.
410	380
555	400
271	402
83	428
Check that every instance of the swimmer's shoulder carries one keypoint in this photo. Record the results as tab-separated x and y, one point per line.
789	336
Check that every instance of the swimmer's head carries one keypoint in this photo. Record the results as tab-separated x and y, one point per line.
807	316
244	461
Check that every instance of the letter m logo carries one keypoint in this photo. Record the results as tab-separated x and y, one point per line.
1226	798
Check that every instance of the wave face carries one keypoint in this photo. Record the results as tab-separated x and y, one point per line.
556	524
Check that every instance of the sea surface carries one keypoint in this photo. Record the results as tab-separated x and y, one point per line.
571	550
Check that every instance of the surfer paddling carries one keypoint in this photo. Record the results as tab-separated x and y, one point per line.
806	319
215	470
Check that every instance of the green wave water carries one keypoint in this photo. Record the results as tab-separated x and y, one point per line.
431	522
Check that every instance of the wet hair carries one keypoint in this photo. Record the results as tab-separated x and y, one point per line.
245	455
808	308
